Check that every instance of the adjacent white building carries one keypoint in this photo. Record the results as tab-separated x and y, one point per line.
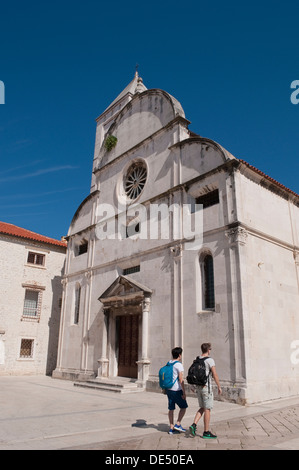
31	268
137	283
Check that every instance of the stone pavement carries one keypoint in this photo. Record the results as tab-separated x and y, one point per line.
41	413
271	430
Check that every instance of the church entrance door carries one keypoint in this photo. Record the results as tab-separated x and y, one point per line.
128	341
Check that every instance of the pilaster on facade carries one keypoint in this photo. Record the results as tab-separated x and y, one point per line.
144	363
86	320
178	320
237	238
103	361
296	259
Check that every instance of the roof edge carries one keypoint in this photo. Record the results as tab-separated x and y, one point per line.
19	232
269	178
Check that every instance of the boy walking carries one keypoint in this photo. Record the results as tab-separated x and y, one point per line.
205	394
176	394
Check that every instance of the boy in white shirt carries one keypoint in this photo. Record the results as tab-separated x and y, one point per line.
205	394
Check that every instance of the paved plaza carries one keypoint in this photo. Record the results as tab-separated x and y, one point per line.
42	413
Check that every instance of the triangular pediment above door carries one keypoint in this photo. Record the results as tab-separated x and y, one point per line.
124	287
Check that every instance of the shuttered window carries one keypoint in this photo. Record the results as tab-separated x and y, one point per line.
36	258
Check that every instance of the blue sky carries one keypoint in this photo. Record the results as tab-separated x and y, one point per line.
230	65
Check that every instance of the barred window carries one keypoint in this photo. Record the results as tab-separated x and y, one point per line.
31	303
26	350
208	287
36	258
133	269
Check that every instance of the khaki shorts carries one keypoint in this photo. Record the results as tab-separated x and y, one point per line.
205	399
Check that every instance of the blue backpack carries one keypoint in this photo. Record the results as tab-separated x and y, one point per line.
166	375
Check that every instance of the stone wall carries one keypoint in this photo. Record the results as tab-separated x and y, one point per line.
17	275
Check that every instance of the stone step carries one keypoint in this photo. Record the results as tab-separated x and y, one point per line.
115	384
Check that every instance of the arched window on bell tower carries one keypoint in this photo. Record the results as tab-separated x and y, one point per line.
208	282
77	304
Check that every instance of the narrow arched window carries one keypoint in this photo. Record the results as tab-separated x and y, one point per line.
77	304
208	286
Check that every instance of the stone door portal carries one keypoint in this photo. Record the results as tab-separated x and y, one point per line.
125	334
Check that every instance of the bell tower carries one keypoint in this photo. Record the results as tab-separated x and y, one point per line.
107	118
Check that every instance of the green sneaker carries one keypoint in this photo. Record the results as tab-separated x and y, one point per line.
209	435
193	429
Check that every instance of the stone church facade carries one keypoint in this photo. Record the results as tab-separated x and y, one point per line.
137	283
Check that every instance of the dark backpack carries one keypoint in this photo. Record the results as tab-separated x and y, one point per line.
166	376
197	374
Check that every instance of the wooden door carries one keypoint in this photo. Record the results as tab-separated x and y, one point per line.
128	328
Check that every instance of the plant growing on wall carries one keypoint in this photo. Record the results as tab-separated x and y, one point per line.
110	142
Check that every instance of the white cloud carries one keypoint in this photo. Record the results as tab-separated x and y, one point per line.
42	171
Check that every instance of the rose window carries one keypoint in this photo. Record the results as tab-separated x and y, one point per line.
135	180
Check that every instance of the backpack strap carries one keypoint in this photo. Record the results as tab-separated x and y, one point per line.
172	364
204	358
209	382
